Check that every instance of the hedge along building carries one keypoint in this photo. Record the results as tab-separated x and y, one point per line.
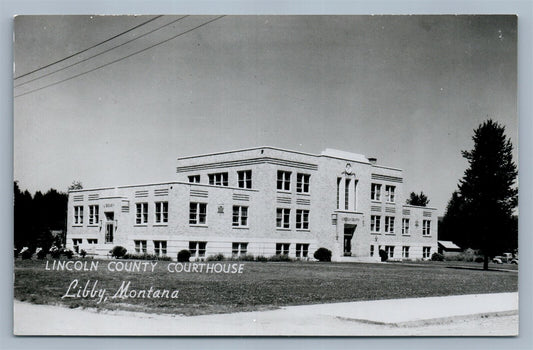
259	201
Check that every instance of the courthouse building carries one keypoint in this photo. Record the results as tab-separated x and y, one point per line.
259	201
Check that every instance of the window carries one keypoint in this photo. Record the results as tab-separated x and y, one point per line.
405	252
161	212
302	183
78	215
93	215
425	252
283	217
389	193
194	178
92	241
371	250
284	180
339	179
140	247
347	194
282	248
197	213
375	192
375	223
244	179
426	228
76	243
240	216
197	249
389	249
218	179
239	248
389	224
142	213
302	250
302	219
160	248
405	227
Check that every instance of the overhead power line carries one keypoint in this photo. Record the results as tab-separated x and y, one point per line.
87	49
100	53
122	58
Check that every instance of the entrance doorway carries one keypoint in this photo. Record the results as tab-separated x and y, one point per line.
109	226
349	231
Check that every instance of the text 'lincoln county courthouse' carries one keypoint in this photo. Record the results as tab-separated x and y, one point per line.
259	201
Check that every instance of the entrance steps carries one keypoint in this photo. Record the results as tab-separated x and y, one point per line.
363	259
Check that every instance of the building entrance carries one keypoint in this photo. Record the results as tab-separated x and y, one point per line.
349	231
109	226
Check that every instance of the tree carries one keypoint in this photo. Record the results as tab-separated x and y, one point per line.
487	193
420	200
76	185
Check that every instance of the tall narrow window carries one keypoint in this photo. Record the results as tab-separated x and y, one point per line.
197	249
347	194
405	226
389	224
240	216
302	250
197	213
426	227
302	219
375	223
282	248
283	217
239	248
161	212
426	251
78	215
140	247
160	248
375	193
389	193
338	192
389	249
142	213
244	179
405	252
302	183
94	217
284	180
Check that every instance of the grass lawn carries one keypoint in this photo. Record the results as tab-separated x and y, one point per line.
262	285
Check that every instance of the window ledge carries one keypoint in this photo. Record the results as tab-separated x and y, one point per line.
406	235
93	225
284	191
428	236
283	229
375	233
303	230
140	225
162	224
387	202
77	225
241	227
306	194
198	225
376	201
390	234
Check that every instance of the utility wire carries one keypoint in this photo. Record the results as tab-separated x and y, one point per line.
87	49
100	53
122	58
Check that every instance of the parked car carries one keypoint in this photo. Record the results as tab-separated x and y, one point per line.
498	259
514	261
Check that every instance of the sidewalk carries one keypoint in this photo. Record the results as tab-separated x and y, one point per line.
479	314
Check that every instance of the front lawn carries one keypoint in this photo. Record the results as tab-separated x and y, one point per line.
260	286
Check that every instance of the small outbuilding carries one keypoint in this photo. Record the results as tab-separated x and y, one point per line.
448	248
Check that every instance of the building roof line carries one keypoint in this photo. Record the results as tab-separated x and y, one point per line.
418	206
248	149
159	184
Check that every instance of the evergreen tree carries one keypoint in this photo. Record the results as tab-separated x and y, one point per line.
487	191
420	200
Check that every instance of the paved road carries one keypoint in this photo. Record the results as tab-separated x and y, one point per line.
481	314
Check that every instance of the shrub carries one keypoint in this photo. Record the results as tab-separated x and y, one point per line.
68	253
42	254
383	255
479	259
437	257
146	257
118	252
83	253
279	258
27	254
55	253
184	255
322	254
246	257
261	258
217	257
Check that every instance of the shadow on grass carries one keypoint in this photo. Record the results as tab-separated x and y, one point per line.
479	269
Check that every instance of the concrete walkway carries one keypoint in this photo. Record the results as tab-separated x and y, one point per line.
479	314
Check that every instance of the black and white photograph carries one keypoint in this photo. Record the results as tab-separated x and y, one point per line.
265	175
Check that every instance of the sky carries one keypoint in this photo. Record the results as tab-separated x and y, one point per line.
408	90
